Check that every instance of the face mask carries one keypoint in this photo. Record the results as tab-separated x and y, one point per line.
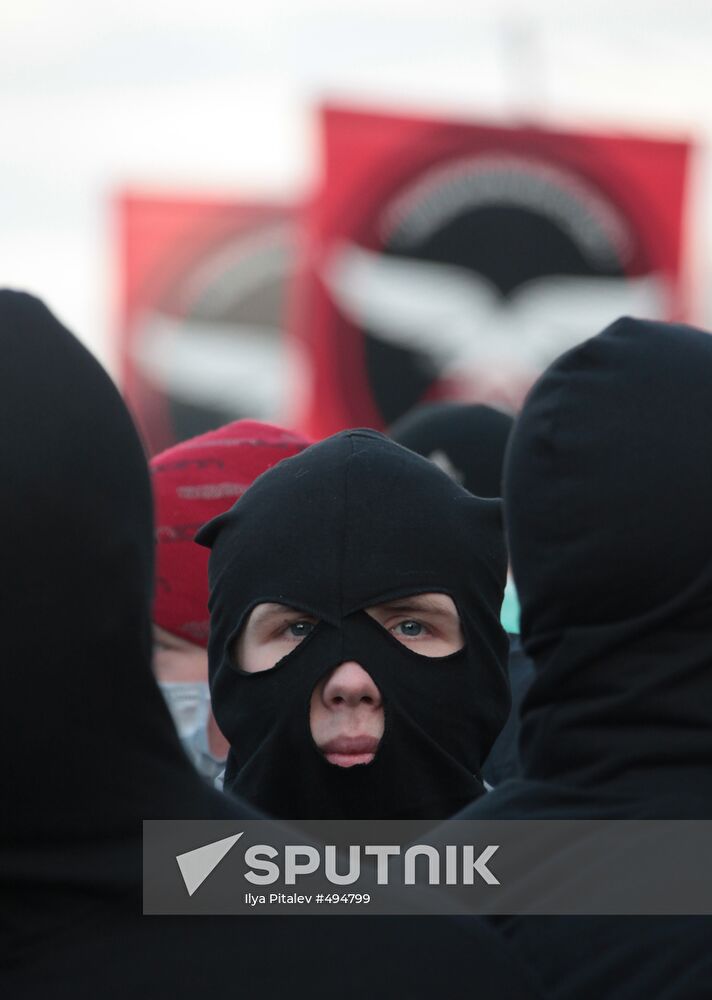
198	749
189	703
349	524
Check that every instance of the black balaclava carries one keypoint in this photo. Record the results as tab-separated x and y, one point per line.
350	523
467	440
608	498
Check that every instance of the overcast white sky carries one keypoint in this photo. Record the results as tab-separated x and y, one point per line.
218	96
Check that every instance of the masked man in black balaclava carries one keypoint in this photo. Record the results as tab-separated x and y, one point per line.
357	662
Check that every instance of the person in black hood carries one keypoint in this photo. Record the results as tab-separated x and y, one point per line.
608	492
378	551
469	441
89	748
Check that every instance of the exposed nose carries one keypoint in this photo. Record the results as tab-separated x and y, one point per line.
349	686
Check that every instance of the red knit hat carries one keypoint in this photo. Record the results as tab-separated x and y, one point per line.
193	482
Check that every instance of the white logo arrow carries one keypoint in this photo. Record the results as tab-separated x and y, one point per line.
195	866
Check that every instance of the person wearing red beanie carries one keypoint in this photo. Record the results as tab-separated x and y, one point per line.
193	482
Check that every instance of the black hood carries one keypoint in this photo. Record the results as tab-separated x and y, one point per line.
467	440
350	523
608	494
88	743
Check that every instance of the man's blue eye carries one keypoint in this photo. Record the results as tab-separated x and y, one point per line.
411	629
300	629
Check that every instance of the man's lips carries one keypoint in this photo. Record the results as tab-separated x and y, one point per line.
345	751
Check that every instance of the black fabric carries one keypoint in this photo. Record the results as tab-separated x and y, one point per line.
469	441
349	523
89	749
81	709
503	762
122	957
608	492
472	437
88	745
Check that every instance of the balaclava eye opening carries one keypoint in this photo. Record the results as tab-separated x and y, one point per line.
351	523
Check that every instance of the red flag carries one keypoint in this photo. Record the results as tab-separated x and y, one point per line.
451	260
201	312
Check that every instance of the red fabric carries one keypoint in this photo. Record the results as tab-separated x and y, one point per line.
193	482
373	159
177	251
